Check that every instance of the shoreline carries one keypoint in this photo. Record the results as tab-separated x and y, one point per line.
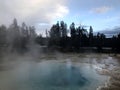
113	82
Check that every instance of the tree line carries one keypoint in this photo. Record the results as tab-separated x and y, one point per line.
18	38
80	38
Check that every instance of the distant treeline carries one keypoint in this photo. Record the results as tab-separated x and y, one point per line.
79	39
16	38
21	38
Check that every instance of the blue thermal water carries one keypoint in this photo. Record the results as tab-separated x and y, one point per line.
54	75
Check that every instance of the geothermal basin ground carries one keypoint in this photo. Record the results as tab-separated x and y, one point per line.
60	71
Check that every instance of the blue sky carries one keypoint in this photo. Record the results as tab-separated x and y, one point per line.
101	14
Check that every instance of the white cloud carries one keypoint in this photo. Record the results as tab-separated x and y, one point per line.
60	12
102	9
32	11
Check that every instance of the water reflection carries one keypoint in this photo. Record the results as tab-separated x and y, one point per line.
52	75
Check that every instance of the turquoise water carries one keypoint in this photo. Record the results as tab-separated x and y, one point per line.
51	75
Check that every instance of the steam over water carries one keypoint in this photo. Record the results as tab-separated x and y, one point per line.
51	75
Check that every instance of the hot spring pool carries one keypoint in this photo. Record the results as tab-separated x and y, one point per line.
51	75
